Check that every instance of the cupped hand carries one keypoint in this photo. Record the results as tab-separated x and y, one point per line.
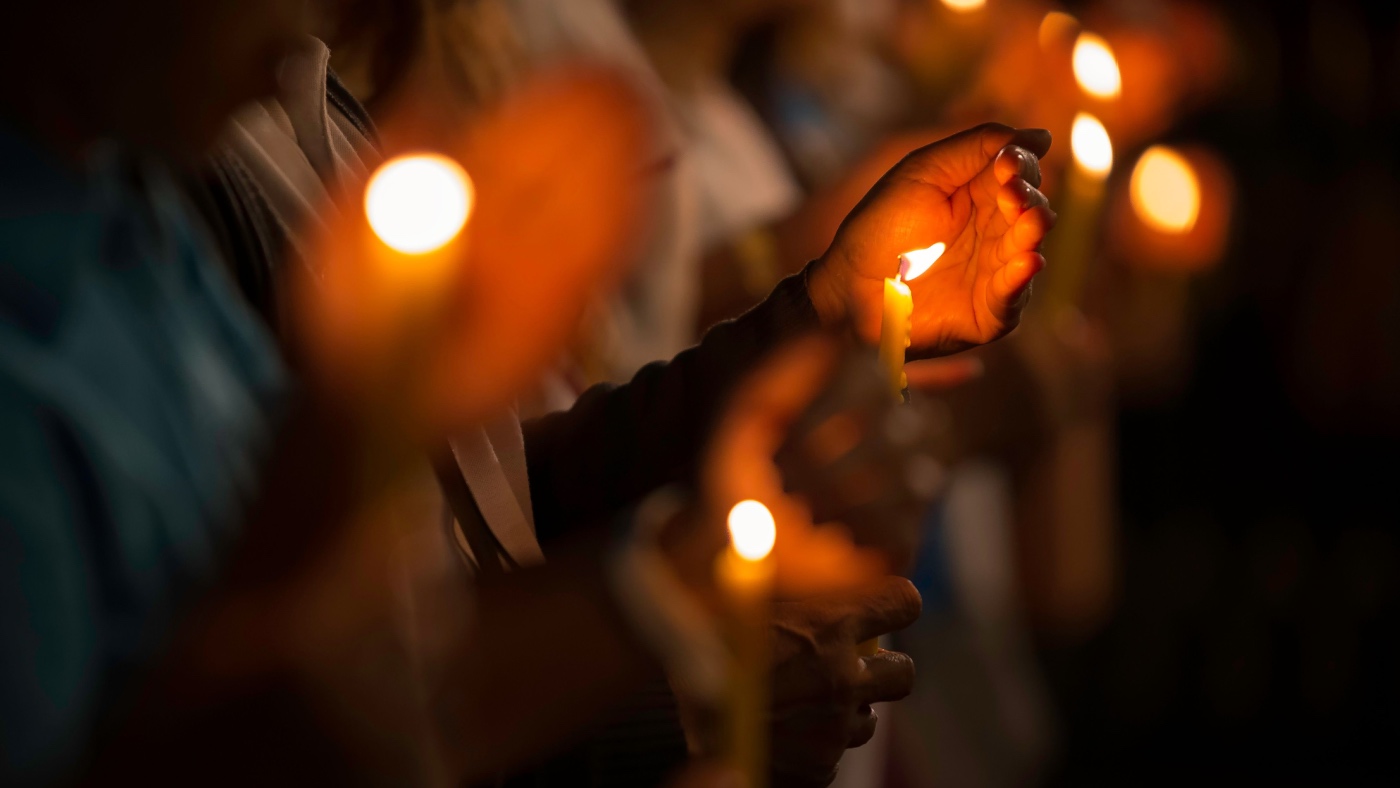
978	192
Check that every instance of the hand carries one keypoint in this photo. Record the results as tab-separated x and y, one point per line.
858	458
823	691
455	335
977	192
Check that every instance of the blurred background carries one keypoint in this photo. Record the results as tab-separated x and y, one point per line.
1169	548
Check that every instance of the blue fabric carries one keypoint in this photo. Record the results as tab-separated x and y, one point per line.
135	398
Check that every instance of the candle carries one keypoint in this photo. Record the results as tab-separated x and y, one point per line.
417	204
1095	67
1165	191
898	309
745	576
1073	241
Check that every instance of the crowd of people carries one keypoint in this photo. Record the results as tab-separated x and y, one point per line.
282	503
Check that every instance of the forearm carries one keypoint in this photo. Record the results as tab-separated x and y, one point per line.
620	442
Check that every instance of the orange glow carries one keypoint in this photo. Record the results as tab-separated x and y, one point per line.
1056	26
1095	67
1093	150
963	6
417	204
913	264
1165	192
752	530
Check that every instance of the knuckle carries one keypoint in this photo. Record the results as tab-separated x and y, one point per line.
907	597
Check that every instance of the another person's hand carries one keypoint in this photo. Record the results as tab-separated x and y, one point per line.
977	192
822	690
453	336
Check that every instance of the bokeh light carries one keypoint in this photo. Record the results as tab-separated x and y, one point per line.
418	203
1165	191
1093	150
1095	67
914	264
752	530
964	6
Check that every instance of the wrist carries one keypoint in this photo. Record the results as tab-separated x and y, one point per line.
826	293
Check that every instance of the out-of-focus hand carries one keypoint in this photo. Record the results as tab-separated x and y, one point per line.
822	690
740	464
857	458
454	335
977	192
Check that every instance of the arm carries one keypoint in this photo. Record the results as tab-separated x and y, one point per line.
620	442
975	191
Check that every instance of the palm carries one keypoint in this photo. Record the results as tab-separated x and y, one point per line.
988	214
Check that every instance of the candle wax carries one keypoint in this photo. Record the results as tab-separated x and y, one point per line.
894	334
748	590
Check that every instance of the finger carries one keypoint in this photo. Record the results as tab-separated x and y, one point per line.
887	676
1015	161
866	723
1028	231
1010	286
1017	196
942	374
956	160
889	606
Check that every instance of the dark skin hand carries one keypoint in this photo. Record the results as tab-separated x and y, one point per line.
823	691
978	192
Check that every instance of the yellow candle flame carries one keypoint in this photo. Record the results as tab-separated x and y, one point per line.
913	264
1093	150
418	203
1095	68
1164	190
964	6
752	530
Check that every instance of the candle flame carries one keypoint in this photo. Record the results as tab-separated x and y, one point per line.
1095	68
752	530
964	6
1165	191
913	264
1093	150
418	203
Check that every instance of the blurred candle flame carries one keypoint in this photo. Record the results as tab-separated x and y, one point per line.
1095	68
1164	190
418	203
913	264
964	6
1093	150
752	530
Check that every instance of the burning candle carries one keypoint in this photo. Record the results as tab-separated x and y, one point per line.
1165	191
417	204
897	313
1082	202
745	575
1095	67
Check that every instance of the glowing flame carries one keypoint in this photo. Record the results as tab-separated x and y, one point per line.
963	6
913	264
417	204
752	530
1093	150
1095	67
1164	190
